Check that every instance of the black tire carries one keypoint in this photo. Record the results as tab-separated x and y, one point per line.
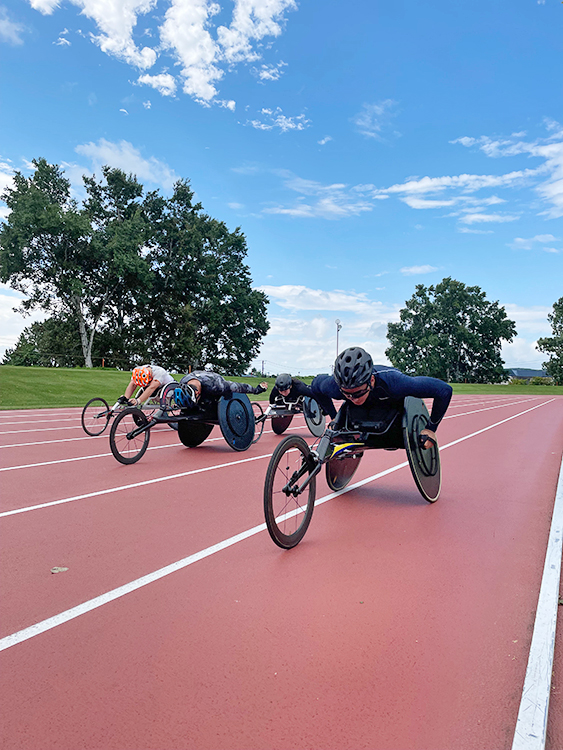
95	416
424	463
125	449
288	459
193	433
280	424
341	469
259	420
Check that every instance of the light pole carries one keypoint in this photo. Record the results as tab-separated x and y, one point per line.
338	327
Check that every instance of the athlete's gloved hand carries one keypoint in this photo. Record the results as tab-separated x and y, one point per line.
261	388
122	400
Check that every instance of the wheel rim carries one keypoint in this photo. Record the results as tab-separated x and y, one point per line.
258	425
129	448
289	515
95	416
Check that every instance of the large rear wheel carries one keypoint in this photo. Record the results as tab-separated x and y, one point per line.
127	440
288	511
95	416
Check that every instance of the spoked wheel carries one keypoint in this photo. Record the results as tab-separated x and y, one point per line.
341	468
280	424
95	416
259	420
287	512
193	433
127	444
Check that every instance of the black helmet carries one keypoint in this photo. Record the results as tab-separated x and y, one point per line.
353	367
283	381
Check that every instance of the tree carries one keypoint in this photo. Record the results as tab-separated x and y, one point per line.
451	331
76	263
554	344
148	277
208	312
49	343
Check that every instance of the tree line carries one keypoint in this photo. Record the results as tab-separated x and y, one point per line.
127	276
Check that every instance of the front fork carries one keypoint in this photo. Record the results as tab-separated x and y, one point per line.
312	465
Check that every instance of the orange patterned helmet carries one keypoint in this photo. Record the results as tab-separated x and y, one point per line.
141	376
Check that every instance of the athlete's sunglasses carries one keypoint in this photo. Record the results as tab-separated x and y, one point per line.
355	395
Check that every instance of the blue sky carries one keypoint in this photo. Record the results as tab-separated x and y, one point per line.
363	148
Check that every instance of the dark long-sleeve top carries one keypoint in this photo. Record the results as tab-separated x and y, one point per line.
214	386
392	385
298	391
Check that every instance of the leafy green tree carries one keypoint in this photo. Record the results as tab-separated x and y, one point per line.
49	343
208	312
553	345
451	331
72	262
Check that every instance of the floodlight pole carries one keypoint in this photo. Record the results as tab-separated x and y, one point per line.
338	327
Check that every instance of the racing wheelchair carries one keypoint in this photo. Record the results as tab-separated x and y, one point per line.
97	413
236	416
281	414
290	486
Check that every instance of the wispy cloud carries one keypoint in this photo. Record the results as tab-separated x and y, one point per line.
417	270
164	83
274	119
125	156
521	243
11	32
374	120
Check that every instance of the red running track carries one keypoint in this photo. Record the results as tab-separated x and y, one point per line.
394	625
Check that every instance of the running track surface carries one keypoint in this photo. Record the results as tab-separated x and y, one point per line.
394	625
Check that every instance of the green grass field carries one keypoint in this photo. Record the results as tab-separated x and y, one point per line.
44	387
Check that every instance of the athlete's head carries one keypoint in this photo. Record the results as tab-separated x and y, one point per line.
186	396
353	373
283	383
142	376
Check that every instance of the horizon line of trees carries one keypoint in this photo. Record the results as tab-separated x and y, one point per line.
128	275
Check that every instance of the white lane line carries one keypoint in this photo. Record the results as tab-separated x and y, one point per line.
38	421
105	455
70	614
41	429
28	508
531	725
488	408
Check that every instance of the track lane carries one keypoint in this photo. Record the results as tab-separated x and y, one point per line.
386	527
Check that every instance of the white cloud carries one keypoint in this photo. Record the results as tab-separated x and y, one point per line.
125	156
147	104
520	243
302	336
324	140
164	83
10	31
273	119
417	270
62	42
487	218
269	72
201	52
373	119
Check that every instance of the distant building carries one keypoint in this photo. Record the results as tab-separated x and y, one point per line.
524	373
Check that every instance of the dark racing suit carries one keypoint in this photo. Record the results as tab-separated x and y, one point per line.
213	386
296	394
391	387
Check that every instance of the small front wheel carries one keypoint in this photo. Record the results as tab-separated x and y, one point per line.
288	511
95	416
259	420
127	438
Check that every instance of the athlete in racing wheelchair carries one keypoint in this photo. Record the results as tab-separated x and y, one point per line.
291	396
382	408
195	405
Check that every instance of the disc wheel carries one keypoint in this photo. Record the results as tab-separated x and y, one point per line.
125	446
280	424
288	513
314	417
95	416
341	469
259	420
193	433
424	462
